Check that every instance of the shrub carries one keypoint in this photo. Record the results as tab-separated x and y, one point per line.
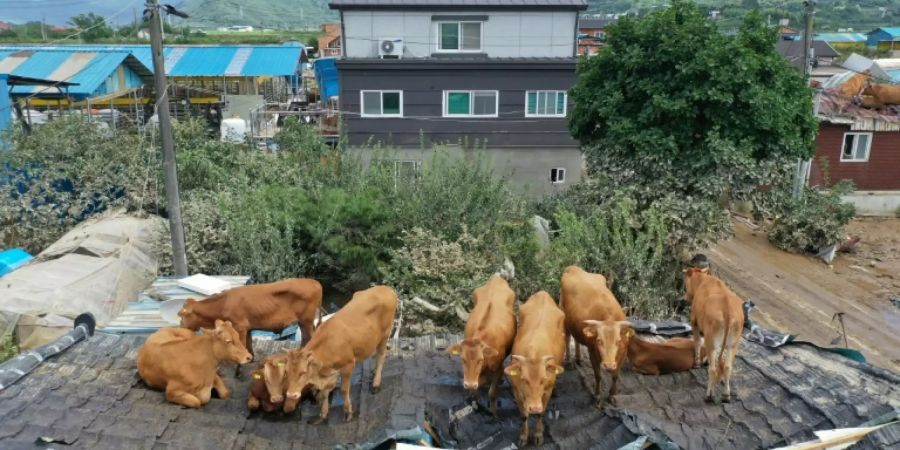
812	222
8	347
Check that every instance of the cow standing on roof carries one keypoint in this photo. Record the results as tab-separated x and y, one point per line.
271	307
186	365
537	354
357	331
489	335
717	313
594	318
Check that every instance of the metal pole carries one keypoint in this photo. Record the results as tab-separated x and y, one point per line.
179	258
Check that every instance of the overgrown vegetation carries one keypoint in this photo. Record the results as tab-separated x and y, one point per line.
8	347
813	222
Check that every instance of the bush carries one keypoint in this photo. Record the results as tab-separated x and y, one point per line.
814	221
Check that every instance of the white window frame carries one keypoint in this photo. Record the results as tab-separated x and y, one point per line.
558	171
437	33
852	158
445	104
362	106
565	104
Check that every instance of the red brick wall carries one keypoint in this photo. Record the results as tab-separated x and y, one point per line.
880	173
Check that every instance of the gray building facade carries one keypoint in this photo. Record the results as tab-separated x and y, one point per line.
487	74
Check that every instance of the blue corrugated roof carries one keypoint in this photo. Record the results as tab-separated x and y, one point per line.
203	61
840	37
893	31
41	64
97	71
895	74
272	61
88	68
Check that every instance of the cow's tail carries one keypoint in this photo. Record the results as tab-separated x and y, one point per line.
720	359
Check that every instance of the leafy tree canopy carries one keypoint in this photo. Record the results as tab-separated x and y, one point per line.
93	27
672	106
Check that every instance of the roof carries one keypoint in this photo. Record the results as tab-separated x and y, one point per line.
88	69
594	22
209	60
467	4
834	108
840	37
91	397
15	80
793	51
893	31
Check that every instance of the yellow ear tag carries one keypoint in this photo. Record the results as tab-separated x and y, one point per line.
280	363
513	372
257	376
558	370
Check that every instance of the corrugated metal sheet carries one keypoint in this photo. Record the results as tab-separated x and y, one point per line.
209	61
840	37
89	69
41	64
273	61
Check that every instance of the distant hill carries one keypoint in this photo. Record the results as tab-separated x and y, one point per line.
861	15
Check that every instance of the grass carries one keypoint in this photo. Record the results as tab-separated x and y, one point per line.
8	348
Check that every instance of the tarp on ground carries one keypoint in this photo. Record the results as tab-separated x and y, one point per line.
97	267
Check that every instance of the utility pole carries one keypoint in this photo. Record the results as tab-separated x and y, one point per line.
44	28
809	10
173	198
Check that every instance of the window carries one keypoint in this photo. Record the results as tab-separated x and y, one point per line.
459	36
856	147
545	104
601	35
557	175
381	103
471	103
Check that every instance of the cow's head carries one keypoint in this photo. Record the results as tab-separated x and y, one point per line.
189	317
275	374
692	277
473	353
305	370
227	345
530	378
610	338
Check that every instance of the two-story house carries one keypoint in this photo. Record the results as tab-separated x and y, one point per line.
483	74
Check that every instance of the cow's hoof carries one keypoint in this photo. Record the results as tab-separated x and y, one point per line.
523	442
374	389
318	420
709	399
539	440
728	398
348	416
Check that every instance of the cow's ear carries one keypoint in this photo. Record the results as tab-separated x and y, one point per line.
512	370
627	333
555	369
488	352
281	363
454	349
219	324
589	332
704	270
314	364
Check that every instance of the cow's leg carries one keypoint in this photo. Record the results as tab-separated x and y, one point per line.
568	341
346	374
176	394
539	430
306	329
252	403
245	337
380	355
695	333
577	351
614	385
221	389
713	349
290	405
523	432
729	366
492	393
324	403
598	374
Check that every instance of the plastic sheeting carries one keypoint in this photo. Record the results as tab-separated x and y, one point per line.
97	267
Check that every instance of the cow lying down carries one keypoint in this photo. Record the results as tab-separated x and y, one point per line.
656	358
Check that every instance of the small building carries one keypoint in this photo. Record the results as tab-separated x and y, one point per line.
885	38
786	33
330	40
824	57
861	145
841	40
99	76
592	34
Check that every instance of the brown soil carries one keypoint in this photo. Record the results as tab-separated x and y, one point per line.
799	294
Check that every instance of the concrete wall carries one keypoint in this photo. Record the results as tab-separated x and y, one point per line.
527	169
875	203
505	34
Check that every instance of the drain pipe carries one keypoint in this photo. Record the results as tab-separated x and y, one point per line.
16	368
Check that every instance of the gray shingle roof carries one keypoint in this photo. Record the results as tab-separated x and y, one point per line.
403	4
91	397
594	23
793	51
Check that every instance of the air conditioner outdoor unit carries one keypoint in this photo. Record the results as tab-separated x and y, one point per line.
390	47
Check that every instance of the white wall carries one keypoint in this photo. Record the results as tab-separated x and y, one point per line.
875	203
506	34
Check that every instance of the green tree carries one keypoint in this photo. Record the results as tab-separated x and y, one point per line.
673	107
91	26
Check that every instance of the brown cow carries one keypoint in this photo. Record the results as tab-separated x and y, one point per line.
357	331
655	358
271	307
595	318
718	314
537	354
186	365
489	336
268	385
883	94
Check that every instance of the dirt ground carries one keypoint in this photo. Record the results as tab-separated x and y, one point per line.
799	294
